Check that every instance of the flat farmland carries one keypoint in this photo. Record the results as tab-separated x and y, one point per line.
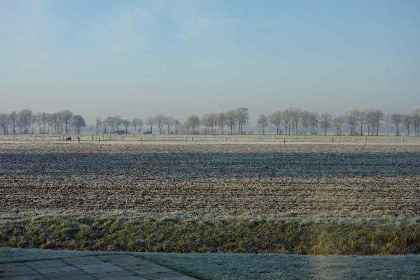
218	180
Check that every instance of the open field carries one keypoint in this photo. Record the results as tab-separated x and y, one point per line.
314	196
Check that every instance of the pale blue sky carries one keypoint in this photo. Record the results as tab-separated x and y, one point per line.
139	58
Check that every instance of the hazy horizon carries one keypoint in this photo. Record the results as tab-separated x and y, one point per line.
142	58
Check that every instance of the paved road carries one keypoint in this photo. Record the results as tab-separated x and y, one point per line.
110	267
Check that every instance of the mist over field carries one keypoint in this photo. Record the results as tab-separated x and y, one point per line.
143	58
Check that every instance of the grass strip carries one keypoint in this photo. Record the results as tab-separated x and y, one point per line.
181	233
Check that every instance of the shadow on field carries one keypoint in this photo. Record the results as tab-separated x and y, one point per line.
213	165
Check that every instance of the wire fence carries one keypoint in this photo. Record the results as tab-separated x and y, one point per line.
162	138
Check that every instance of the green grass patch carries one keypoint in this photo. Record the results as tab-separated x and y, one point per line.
181	233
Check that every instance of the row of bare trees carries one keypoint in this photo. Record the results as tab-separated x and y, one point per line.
232	119
372	120
286	121
355	120
113	124
25	121
235	118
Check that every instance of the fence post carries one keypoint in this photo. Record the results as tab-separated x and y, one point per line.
284	141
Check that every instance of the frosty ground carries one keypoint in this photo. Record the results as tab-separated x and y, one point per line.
242	194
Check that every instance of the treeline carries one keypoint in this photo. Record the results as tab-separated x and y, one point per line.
25	121
285	121
358	122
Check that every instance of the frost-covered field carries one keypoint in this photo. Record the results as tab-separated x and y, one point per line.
258	266
227	178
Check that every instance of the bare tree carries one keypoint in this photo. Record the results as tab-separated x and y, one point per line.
66	116
150	121
38	121
387	122
415	115
351	119
98	124
192	122
160	122
231	119
275	118
313	120
397	119
295	115
137	123
24	118
44	118
221	120
361	116
370	119
111	122
407	122
118	121
13	121
126	124
33	121
338	122
305	120
168	121
209	120
78	122
325	122
378	117
243	117
286	116
262	122
176	124
4	122
51	122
